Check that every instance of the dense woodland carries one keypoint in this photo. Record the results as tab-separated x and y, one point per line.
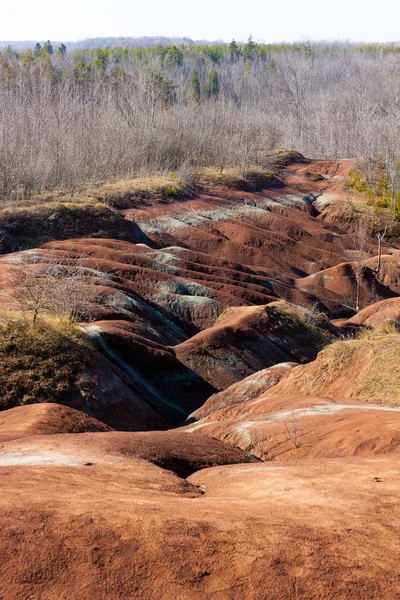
69	118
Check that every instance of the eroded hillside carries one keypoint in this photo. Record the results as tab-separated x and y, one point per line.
192	405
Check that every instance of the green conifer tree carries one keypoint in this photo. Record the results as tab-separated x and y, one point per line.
48	47
211	89
250	49
196	89
234	51
62	50
37	51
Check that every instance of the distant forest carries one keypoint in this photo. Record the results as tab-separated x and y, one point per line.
72	117
113	42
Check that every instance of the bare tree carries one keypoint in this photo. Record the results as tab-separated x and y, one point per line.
68	121
360	241
380	236
50	283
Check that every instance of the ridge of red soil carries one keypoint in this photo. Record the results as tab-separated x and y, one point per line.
246	389
247	340
222	293
45	419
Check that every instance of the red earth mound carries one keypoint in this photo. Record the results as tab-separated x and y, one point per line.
246	389
124	528
378	314
172	450
45	419
248	339
162	382
339	285
302	427
389	270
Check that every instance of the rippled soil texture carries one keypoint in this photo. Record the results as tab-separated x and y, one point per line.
225	440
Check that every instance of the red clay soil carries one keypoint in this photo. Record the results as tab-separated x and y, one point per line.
248	339
172	450
225	248
378	314
45	419
176	515
124	528
162	382
389	274
246	389
158	309
339	284
302	427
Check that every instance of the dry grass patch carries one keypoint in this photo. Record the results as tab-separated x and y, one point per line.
365	368
146	190
253	179
30	226
40	363
283	157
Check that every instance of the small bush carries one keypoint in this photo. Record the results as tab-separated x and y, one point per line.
312	176
382	203
171	191
356	182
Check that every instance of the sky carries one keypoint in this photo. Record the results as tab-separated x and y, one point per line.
265	20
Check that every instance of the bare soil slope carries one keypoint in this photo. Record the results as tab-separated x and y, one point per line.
287	427
246	389
246	340
45	419
219	292
86	525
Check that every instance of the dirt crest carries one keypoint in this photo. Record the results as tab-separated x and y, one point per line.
45	419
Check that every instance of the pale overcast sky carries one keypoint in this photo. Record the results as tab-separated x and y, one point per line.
269	20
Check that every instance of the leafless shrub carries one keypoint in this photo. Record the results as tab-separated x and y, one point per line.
51	283
360	241
287	431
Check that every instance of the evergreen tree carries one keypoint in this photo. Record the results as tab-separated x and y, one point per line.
212	87
196	89
101	61
174	56
81	72
27	58
37	50
250	49
48	47
234	51
62	49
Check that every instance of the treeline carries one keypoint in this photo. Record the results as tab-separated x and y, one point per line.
71	118
113	42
